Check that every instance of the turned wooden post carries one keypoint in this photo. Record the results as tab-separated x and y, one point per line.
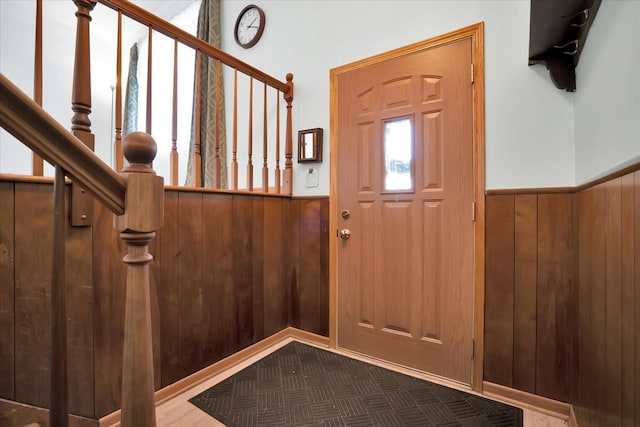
81	202
287	185
144	208
117	145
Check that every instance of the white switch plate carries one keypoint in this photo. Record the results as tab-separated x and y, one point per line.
312	178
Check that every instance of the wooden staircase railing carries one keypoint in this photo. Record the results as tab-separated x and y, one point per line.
136	198
283	180
29	123
136	195
274	156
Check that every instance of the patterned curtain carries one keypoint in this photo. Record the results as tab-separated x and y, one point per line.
131	96
209	31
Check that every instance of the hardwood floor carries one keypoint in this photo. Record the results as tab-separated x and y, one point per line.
178	412
536	419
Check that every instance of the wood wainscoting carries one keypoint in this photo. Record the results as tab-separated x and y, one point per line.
229	270
530	310
563	296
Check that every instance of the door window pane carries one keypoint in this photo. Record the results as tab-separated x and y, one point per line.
398	152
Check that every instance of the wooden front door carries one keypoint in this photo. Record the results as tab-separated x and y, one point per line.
405	210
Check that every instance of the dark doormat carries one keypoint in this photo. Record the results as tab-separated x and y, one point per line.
300	385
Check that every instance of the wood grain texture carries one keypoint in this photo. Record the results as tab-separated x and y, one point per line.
294	240
601	378
585	241
276	294
191	304
312	273
592	276
109	275
7	337
240	289
479	166
555	357
219	272
58	375
309	278
612	374
290	259
169	291
155	250
323	288
33	292
499	291
525	292
258	273
591	228
628	249
18	414
24	119
79	308
217	290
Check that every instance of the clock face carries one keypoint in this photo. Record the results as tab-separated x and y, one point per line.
249	26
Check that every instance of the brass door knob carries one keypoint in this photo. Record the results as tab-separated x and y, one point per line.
345	234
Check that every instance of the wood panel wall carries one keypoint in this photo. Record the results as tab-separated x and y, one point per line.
310	293
609	297
229	270
562	314
26	216
530	316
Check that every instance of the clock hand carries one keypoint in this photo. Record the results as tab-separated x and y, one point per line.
254	20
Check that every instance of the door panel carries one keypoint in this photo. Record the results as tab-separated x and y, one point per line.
405	275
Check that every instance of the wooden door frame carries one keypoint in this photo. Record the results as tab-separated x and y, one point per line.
476	34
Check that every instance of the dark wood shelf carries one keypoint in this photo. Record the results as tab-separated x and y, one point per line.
558	31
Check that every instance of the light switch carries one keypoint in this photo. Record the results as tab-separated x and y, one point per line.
312	177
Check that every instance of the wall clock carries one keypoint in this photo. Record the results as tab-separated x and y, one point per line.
249	26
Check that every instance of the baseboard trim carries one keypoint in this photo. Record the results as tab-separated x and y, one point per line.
526	400
573	420
307	337
20	414
181	386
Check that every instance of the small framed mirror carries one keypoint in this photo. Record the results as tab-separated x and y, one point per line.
310	145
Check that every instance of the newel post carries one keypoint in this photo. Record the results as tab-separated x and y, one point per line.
143	216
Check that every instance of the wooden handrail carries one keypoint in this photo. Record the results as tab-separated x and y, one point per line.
141	15
29	123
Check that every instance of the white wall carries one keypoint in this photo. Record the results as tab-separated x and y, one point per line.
607	102
529	123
